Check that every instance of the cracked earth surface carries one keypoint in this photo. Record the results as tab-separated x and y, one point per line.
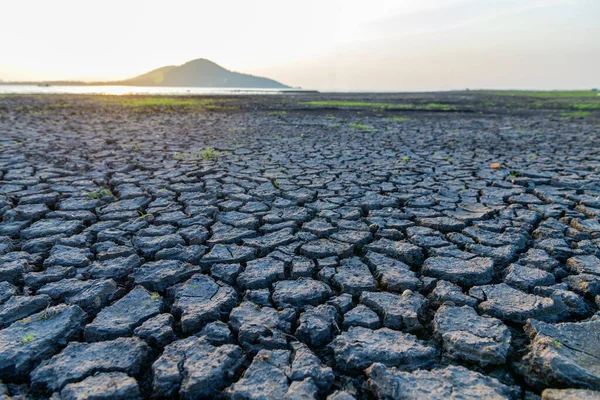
319	253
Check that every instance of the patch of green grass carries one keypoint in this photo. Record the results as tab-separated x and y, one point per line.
181	156
361	127
27	339
99	193
548	94
278	113
557	344
365	104
158	101
397	119
209	154
576	114
586	106
515	174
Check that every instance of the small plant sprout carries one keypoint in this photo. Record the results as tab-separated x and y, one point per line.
209	154
531	156
515	174
29	338
406	159
181	156
99	193
143	215
276	183
136	146
155	296
557	344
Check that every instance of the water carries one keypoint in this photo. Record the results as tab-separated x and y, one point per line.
122	90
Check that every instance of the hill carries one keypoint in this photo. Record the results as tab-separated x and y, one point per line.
201	73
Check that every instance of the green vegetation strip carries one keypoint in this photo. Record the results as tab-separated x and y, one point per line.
158	101
549	94
403	106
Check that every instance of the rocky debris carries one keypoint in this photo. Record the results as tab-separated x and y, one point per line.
249	231
509	304
476	271
200	300
468	337
453	382
564	354
194	368
122	317
359	347
80	360
111	385
27	342
400	312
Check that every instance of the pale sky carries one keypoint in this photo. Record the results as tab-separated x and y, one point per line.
390	45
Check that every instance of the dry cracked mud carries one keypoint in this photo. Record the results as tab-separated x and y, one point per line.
260	247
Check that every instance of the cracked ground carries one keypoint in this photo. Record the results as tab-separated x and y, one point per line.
267	247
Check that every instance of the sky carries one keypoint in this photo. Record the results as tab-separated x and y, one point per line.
379	45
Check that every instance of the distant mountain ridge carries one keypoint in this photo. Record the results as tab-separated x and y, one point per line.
196	73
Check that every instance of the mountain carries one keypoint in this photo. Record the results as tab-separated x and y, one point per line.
201	73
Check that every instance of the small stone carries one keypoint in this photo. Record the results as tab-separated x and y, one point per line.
27	342
509	304
397	312
564	354
80	360
158	275
261	273
193	368
467	336
358	348
201	300
157	331
18	307
316	326
452	382
570	394
300	293
111	385
122	317
476	271
363	316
